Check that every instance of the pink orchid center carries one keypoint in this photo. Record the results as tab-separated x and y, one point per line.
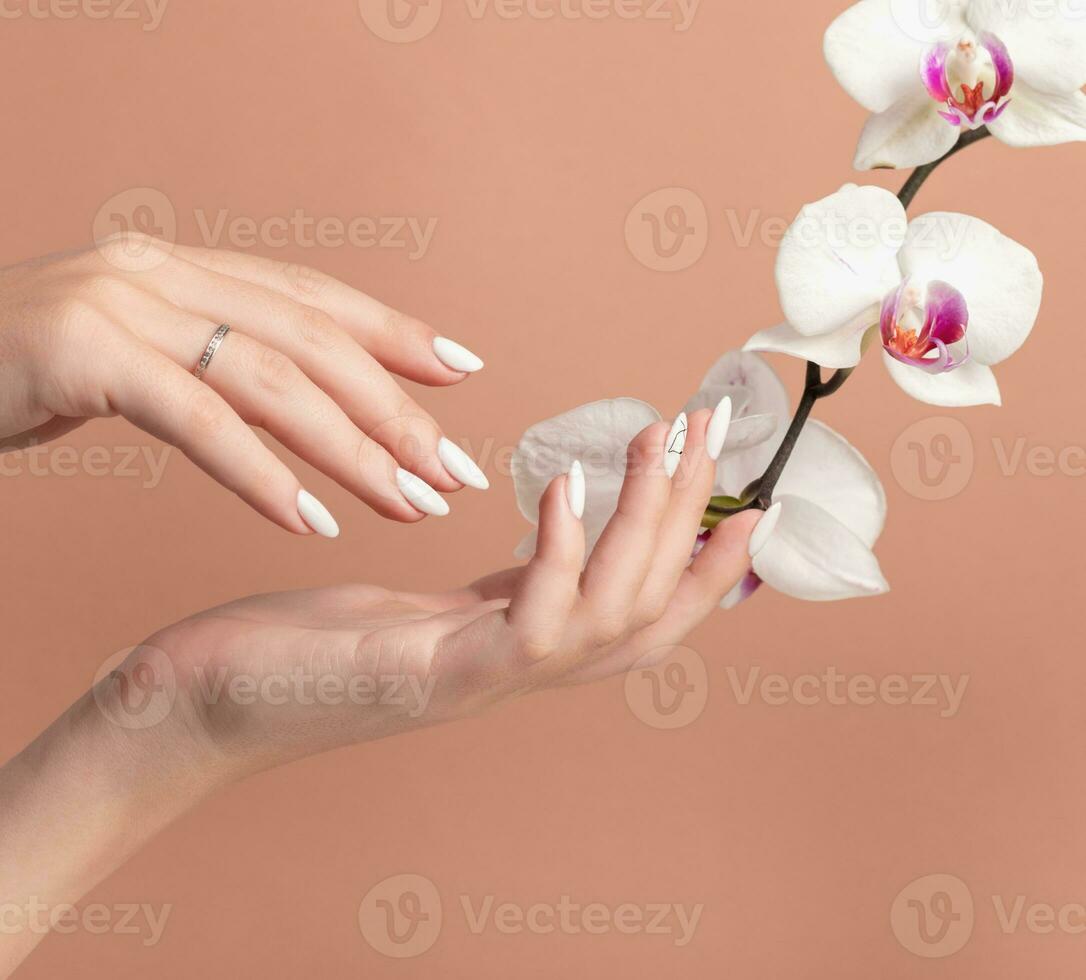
971	79
924	326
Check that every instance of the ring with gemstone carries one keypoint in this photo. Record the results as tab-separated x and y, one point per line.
209	352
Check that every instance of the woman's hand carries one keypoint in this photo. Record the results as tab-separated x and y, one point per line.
271	678
266	680
119	329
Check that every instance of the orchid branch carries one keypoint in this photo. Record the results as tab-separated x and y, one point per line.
759	495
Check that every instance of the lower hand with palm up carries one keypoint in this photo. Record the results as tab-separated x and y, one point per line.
269	679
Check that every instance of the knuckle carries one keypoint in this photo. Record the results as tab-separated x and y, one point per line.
265	480
394	321
318	330
397	324
409	433
274	371
558	565
205	414
121	246
304	281
104	289
373	458
609	626
537	646
650	611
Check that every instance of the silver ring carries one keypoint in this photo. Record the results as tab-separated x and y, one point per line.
212	345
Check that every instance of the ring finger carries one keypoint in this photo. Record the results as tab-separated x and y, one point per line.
268	390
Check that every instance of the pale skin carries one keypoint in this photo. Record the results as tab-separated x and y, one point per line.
557	621
118	329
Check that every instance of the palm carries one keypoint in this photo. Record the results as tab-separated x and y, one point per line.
276	677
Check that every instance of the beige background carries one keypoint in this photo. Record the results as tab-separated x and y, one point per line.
530	141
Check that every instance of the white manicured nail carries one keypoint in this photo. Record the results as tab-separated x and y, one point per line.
717	433
676	443
456	356
421	494
575	489
316	515
461	465
764	530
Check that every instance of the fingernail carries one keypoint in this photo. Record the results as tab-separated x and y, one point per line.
575	489
421	494
456	356
676	443
717	433
316	515
764	530
461	465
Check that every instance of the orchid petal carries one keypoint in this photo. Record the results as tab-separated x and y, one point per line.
933	72
829	471
873	59
972	383
910	133
598	435
840	349
837	258
748	379
1002	63
1033	118
999	278
761	412
811	555
1048	45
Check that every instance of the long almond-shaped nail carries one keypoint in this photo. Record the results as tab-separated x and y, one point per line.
575	489
316	515
461	465
717	433
421	495
764	530
676	443
456	356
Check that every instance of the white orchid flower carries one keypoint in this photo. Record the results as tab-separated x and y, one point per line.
931	69
951	296
832	505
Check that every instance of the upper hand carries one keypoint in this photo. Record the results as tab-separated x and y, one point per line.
120	328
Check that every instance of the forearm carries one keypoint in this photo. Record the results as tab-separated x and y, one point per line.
74	806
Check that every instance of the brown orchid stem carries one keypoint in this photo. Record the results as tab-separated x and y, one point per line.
759	496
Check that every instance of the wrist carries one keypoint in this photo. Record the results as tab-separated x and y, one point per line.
77	802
